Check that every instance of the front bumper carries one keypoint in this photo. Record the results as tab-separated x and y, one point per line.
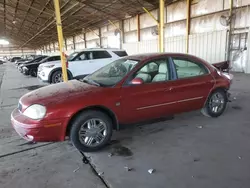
43	75
25	71
20	68
38	131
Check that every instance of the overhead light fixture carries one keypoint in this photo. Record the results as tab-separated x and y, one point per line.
4	42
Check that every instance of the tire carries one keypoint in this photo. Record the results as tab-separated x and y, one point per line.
81	123
32	73
215	104
56	77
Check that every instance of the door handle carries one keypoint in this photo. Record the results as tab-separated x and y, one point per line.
169	89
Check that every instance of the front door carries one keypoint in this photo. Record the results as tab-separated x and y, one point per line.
80	64
153	98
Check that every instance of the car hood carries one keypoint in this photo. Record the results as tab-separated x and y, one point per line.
57	93
33	63
50	63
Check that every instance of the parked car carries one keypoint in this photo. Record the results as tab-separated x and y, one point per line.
79	64
31	68
131	89
27	59
13	59
23	64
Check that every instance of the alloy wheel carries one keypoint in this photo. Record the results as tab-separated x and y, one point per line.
93	132
216	103
58	78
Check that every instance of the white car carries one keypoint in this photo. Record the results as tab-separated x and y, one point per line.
79	64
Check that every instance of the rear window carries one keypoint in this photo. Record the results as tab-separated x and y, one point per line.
101	54
120	53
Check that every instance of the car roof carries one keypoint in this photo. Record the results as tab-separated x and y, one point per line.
146	56
99	49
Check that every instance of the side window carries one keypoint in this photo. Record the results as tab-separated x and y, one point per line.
101	54
186	68
82	56
154	71
57	58
121	53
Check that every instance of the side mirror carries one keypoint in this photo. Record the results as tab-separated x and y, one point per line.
137	81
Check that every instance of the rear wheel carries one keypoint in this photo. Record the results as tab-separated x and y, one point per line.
216	104
91	131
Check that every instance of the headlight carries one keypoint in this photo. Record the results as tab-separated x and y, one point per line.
35	111
49	66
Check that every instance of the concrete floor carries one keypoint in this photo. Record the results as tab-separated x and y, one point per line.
189	151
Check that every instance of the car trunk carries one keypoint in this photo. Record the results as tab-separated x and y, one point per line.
222	66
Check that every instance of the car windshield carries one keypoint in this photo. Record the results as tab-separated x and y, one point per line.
72	56
112	73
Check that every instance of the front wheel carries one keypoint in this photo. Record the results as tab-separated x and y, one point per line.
33	73
56	77
91	131
216	104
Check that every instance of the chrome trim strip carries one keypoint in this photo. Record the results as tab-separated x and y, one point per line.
196	98
164	104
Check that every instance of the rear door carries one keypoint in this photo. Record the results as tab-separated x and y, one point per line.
192	85
99	58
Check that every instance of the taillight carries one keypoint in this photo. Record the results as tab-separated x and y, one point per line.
67	64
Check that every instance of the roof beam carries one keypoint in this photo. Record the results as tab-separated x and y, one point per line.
4	15
52	22
52	17
14	17
43	9
31	3
102	9
152	2
78	9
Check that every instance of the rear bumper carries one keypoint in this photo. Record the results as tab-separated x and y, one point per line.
39	131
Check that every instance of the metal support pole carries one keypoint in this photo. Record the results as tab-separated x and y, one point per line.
100	37
230	29
188	25
60	39
74	42
138	28
65	44
85	42
161	26
122	36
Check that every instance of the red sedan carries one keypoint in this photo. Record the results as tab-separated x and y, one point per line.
131	89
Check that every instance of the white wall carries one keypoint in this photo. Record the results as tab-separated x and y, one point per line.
210	46
10	52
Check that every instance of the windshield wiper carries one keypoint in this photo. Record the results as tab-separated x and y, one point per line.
92	82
